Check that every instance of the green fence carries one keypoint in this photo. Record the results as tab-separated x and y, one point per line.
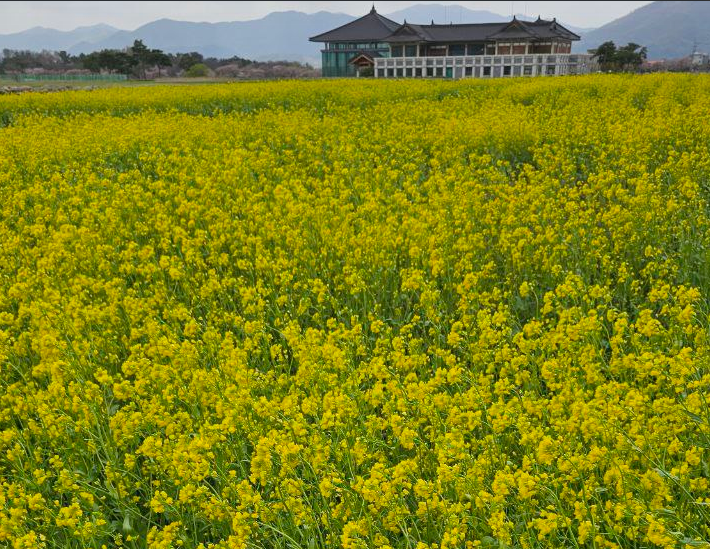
64	77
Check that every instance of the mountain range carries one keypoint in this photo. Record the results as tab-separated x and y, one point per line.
279	35
42	38
668	29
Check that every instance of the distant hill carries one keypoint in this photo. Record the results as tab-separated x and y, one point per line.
278	36
441	13
41	38
667	29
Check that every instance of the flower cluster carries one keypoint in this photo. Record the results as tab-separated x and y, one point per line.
362	314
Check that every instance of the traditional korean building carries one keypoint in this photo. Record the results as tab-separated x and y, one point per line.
384	48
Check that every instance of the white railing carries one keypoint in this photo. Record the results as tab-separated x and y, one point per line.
484	66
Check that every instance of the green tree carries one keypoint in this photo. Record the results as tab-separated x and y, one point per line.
158	58
630	56
90	61
186	60
65	57
141	57
606	55
197	70
625	58
111	60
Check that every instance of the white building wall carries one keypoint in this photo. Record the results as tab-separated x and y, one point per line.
484	66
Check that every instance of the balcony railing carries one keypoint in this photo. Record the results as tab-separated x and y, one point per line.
484	66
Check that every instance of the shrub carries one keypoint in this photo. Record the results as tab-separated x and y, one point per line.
197	70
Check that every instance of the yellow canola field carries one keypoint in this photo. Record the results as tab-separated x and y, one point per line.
357	314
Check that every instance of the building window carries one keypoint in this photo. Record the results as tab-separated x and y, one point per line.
506	70
396	51
469	71
408	72
518	49
490	49
457	49
440	71
400	72
550	70
503	49
486	71
527	70
410	51
390	72
418	72
475	49
437	51
430	71
380	73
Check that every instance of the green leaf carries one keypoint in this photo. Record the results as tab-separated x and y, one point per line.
127	527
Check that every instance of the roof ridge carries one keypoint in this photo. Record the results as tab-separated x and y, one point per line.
447	25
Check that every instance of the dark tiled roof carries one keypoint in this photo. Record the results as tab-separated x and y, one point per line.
549	29
372	26
375	27
473	32
408	33
516	29
478	32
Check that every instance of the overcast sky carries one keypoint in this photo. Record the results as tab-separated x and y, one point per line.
18	16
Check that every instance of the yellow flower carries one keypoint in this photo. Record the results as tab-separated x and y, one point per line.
291	311
524	289
546	450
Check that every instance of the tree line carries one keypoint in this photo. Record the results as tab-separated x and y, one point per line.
134	61
623	58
